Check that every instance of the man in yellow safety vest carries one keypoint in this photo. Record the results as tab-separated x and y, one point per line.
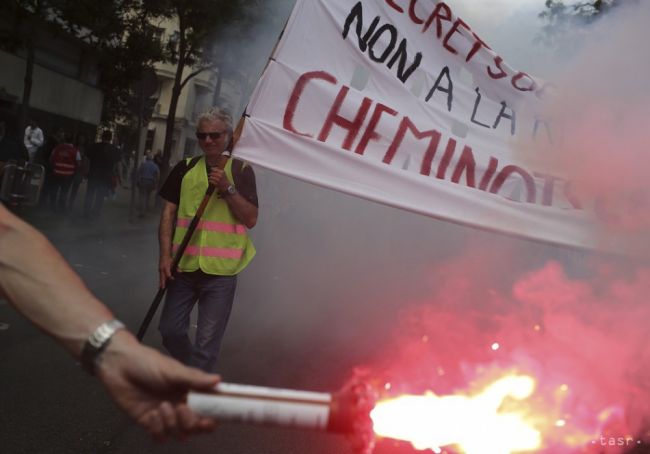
219	249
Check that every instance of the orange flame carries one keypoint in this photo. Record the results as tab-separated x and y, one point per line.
476	424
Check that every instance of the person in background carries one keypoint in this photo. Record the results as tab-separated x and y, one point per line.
33	139
148	176
125	165
115	182
147	385
64	160
158	158
43	158
116	176
9	149
103	156
81	172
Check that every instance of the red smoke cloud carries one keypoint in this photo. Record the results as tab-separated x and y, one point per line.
584	340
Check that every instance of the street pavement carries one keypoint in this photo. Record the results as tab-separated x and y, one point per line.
48	405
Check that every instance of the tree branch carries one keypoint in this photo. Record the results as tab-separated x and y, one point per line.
195	73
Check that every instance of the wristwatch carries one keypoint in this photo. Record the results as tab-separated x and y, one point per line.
97	343
230	190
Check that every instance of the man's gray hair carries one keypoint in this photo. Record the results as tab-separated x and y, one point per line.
215	113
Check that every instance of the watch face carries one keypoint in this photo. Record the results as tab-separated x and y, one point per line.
231	190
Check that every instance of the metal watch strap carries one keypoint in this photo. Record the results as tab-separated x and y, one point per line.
230	190
97	343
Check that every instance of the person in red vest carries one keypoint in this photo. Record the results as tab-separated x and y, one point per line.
65	159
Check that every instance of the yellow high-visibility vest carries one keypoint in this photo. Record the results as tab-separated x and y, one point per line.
220	244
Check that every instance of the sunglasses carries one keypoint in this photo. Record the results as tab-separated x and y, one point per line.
214	135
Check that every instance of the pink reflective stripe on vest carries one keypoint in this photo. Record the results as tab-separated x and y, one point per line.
63	169
213	226
212	252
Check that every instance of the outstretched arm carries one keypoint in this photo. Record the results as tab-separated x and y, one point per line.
37	281
148	386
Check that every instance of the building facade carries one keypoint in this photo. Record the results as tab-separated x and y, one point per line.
65	91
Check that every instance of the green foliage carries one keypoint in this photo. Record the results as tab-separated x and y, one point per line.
16	15
196	44
196	22
124	36
135	49
95	23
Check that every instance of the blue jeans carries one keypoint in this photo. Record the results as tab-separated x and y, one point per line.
215	295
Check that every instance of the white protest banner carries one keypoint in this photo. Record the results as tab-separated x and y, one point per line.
400	102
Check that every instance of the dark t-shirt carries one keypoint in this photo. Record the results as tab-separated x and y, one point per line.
242	174
103	157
